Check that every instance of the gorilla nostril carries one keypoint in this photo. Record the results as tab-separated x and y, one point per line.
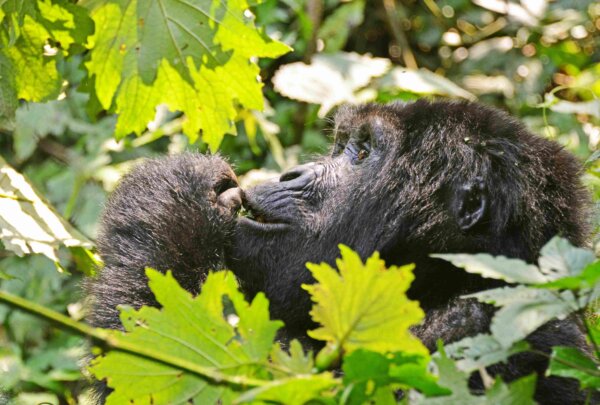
290	175
295	172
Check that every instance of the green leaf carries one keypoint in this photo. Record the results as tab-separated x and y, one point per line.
193	56
365	372
294	362
497	267
364	305
31	41
561	259
520	391
293	391
570	362
524	309
194	329
8	93
35	75
35	121
452	378
594	157
588	277
473	353
337	27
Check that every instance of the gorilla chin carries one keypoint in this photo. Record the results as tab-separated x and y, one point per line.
405	179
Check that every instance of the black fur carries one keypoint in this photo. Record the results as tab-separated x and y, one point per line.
405	179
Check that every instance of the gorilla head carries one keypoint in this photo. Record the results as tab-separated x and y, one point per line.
409	180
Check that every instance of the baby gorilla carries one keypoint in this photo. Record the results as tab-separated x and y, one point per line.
407	180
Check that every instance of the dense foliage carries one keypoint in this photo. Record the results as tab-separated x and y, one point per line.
89	87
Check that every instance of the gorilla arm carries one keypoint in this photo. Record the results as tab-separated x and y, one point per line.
174	213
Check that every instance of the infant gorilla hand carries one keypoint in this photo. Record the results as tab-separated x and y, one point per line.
162	215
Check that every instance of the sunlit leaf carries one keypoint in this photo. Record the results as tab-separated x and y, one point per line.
193	56
364	305
27	58
421	81
27	223
329	80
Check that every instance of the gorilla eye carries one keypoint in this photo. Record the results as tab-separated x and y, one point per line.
362	154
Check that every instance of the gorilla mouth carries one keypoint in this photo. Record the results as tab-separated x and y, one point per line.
254	216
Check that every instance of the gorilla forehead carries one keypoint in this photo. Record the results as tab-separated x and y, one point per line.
439	121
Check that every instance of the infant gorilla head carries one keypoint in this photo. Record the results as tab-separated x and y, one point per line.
404	179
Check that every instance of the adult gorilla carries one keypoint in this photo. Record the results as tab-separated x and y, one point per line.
404	179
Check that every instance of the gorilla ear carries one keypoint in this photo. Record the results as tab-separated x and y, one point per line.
470	203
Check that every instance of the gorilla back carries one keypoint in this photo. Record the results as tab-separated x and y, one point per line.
407	180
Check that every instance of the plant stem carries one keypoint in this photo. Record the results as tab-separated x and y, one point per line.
118	340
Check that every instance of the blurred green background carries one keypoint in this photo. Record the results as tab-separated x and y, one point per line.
537	59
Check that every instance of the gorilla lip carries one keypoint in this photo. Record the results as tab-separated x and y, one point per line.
251	215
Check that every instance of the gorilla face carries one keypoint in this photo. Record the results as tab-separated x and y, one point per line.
407	180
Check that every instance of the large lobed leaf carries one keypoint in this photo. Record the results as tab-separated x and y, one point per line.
193	55
364	305
193	329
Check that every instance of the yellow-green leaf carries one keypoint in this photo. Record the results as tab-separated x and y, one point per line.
364	305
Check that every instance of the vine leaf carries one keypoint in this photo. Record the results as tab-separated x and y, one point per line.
218	329
364	305
192	55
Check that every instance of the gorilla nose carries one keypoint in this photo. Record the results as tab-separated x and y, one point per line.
230	201
297	172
